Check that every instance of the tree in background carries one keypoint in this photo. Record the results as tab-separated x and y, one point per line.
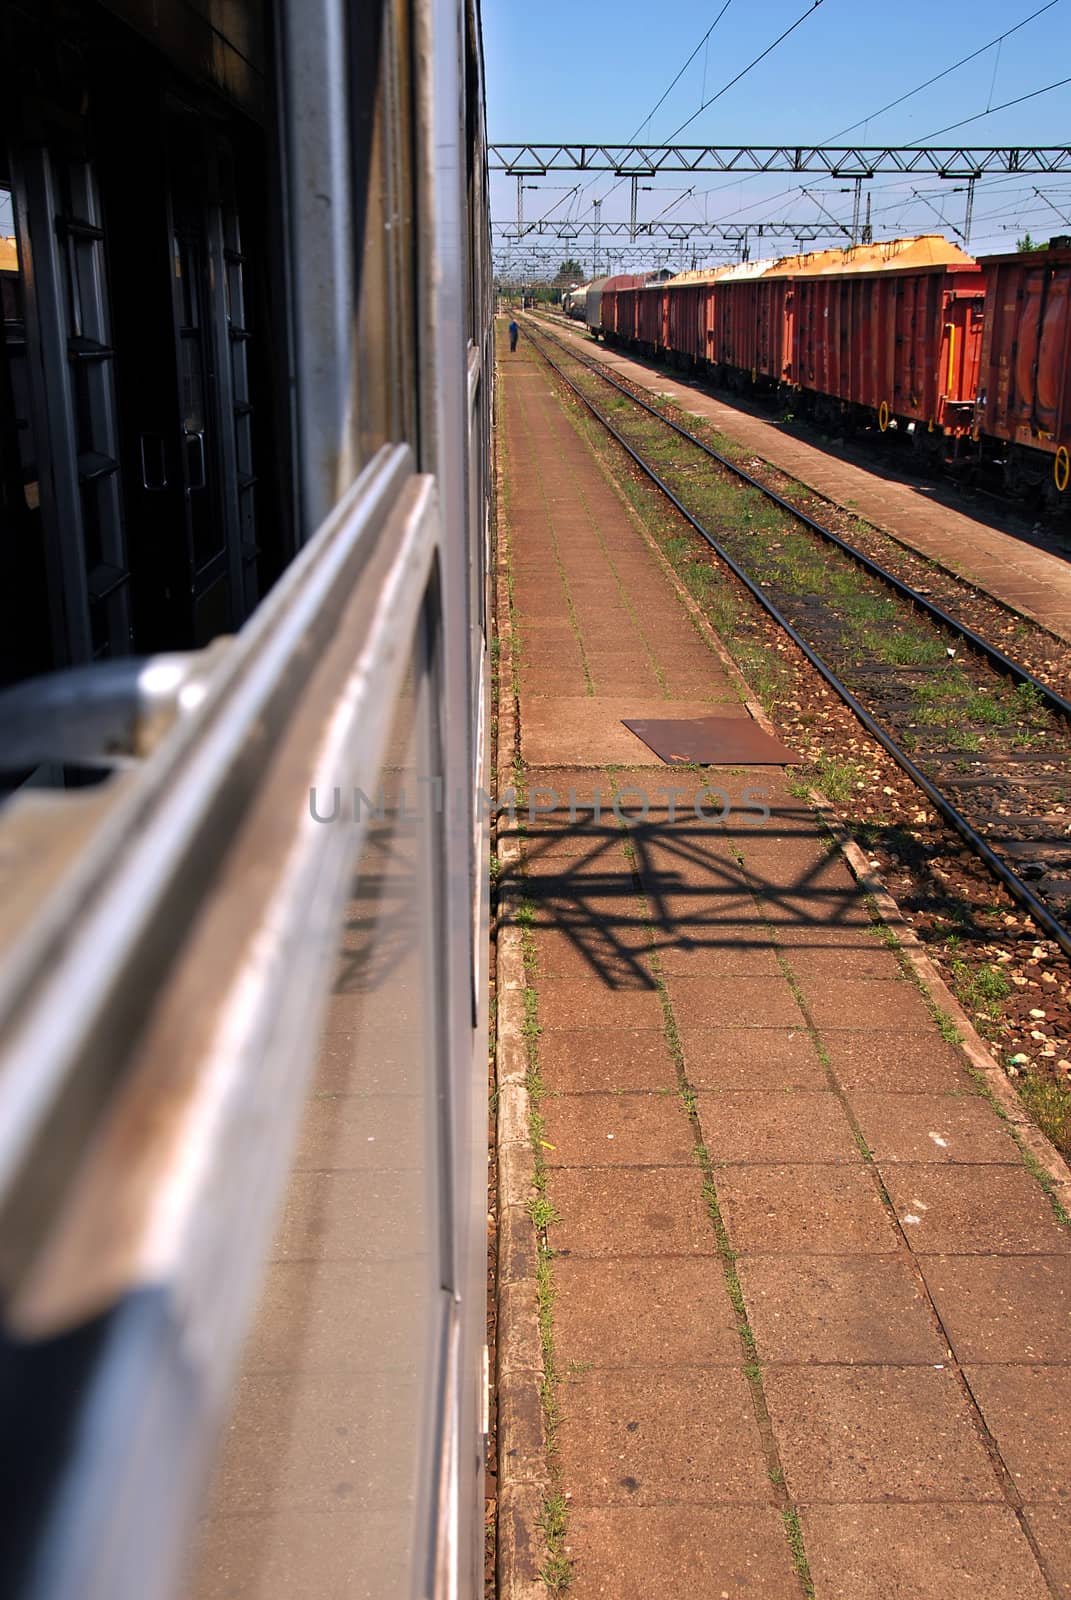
1026	243
571	270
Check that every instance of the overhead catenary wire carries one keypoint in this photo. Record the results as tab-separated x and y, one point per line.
645	122
811	9
582	190
1018	101
962	62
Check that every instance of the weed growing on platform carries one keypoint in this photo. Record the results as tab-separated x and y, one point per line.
1037	1171
946	1027
557	1572
791	1519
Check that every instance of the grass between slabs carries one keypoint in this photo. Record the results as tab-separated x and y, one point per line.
750	1364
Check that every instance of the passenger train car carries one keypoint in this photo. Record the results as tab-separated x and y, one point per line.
969	360
244	495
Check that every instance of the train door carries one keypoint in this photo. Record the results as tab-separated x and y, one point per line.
61	395
183	338
130	513
213	417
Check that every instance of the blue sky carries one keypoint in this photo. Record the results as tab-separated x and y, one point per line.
595	72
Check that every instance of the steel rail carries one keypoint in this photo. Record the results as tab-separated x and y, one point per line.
1015	886
995	656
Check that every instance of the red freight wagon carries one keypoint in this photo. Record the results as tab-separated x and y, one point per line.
615	314
899	342
649	329
749	322
686	320
1025	379
618	314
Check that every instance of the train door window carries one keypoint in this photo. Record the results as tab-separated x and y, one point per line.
73	382
187	354
234	334
209	528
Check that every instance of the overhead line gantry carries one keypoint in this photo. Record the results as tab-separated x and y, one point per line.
836	161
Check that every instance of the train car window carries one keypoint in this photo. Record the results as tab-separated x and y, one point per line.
383	179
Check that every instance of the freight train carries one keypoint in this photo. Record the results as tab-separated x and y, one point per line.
969	360
245	390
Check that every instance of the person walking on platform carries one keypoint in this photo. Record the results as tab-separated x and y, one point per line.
513	332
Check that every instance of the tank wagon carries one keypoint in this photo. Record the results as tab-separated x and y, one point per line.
573	301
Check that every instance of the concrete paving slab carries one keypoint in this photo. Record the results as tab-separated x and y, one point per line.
888	1060
869	960
583	731
697	911
751	1059
1026	1409
617	1130
714	1002
846	1309
613	1058
617	962
677	864
931	1127
946	1210
865	1003
812	918
823	927
849	1434
1051	1527
633	1553
725	954
672	1312
912	1552
605	1211
584	839
651	1435
764	1127
781	869
1003	1308
818	1210
570	1003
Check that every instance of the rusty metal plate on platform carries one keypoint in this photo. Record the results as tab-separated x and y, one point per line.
712	742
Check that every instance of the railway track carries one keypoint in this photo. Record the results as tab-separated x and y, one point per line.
986	741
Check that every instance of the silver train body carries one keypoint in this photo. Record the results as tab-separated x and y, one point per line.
244	409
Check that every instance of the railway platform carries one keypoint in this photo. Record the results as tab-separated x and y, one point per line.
782	1308
1033	577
